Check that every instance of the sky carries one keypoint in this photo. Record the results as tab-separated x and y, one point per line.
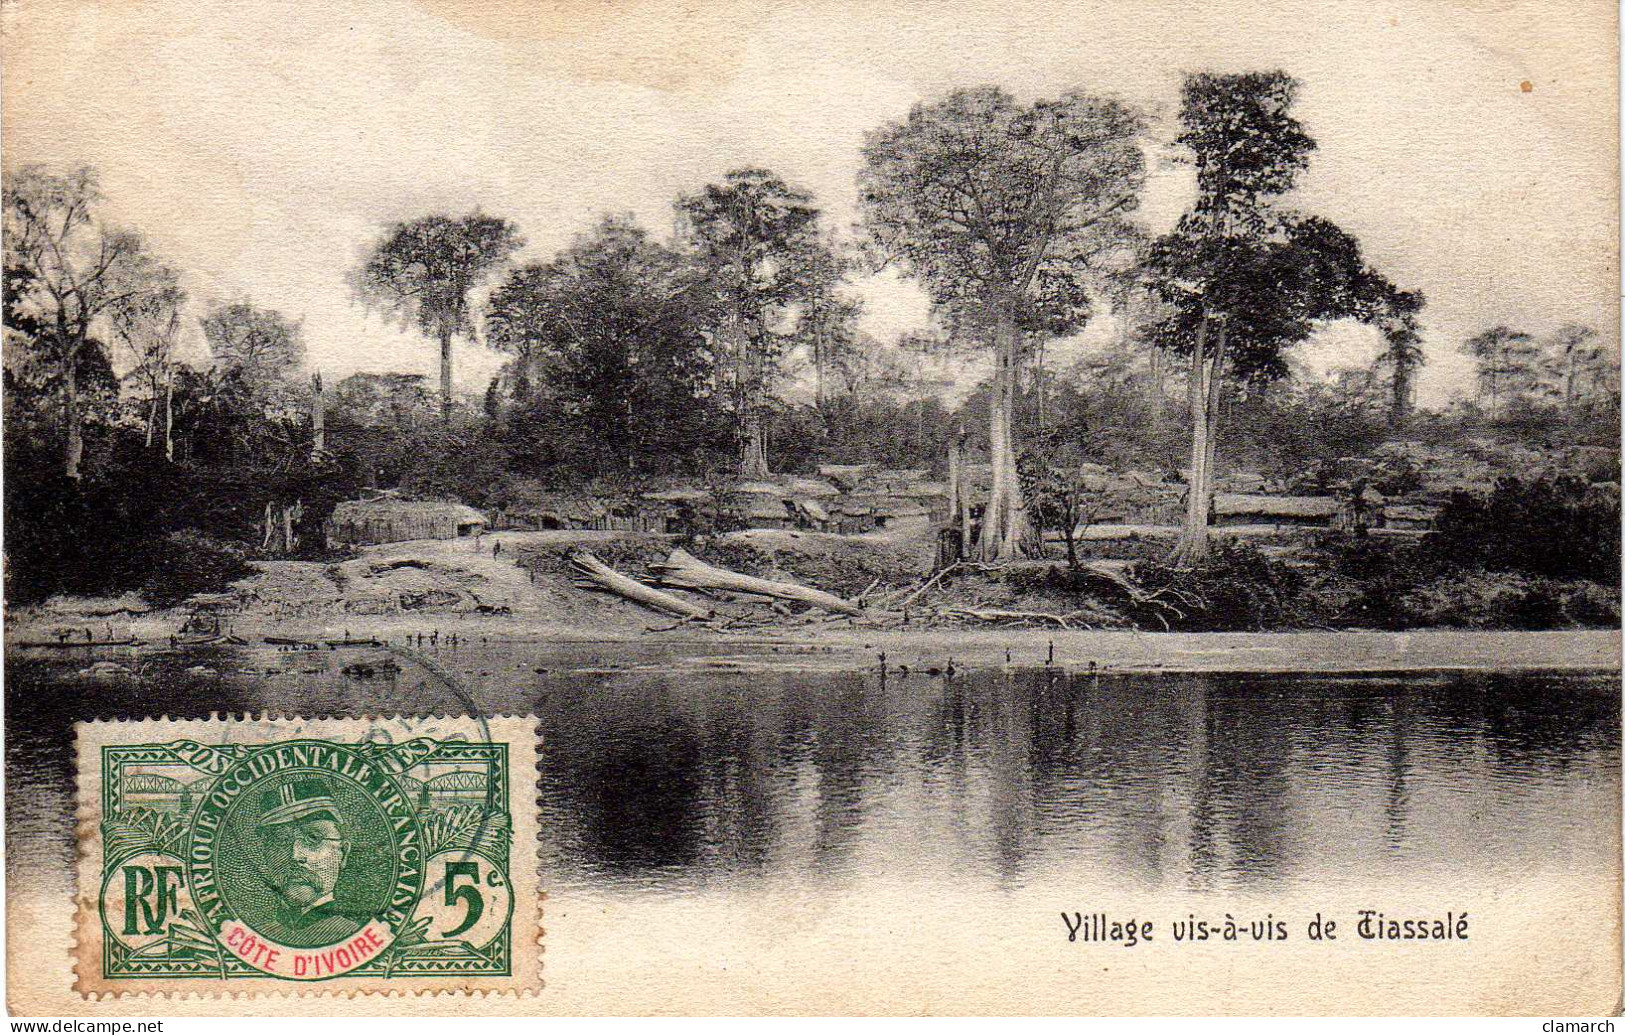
1471	146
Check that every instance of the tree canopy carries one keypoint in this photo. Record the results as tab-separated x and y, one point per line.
613	332
981	197
422	271
1246	278
1003	211
750	235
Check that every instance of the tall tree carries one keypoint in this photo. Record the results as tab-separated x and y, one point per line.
751	234
827	321
1507	365
1246	278
253	348
423	270
1577	362
1402	354
1000	209
148	326
77	269
614	327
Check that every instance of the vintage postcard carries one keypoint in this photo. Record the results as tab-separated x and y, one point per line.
994	507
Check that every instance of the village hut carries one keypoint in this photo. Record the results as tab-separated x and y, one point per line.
852	516
1311	511
921	492
532	507
390	519
899	512
846	476
765	510
1244	483
548	511
808	488
680	509
1410	517
811	514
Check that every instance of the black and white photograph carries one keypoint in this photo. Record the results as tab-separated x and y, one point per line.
1003	508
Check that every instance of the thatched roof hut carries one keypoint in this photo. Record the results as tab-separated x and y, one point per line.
765	510
539	511
1237	509
1412	516
390	519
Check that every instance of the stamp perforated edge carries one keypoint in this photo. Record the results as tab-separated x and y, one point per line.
525	980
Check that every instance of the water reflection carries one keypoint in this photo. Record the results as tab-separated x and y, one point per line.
666	781
1198	783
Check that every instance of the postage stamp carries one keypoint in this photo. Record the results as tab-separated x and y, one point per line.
307	856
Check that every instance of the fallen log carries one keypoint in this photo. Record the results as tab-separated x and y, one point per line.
603	576
994	614
940	574
686	571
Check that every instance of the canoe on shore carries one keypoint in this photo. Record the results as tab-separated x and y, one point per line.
206	641
354	643
63	645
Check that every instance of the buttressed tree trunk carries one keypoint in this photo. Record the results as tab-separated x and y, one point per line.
169	414
1215	401
753	440
445	372
1005	530
1192	548
753	461
74	450
318	417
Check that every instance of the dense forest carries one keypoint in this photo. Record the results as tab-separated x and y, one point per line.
735	347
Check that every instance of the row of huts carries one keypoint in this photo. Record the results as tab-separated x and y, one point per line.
849	499
843	499
857	499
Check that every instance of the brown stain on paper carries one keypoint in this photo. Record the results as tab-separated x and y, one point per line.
673	47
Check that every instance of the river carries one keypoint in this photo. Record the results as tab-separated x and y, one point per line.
739	805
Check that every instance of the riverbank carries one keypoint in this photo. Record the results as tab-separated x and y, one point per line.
933	651
423	593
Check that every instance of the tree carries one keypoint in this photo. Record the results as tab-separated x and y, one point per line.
751	234
424	269
254	349
1245	279
1402	350
1061	501
1137	307
1578	364
1507	361
148	326
77	269
614	328
1000	208
383	400
827	322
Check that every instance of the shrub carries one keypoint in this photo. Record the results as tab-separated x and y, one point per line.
1510	600
1238	589
183	563
1554	528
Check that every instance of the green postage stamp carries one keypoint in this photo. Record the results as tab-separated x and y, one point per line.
308	855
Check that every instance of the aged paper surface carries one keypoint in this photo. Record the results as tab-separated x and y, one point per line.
994	508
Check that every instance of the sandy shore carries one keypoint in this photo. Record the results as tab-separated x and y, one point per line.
547	612
845	647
